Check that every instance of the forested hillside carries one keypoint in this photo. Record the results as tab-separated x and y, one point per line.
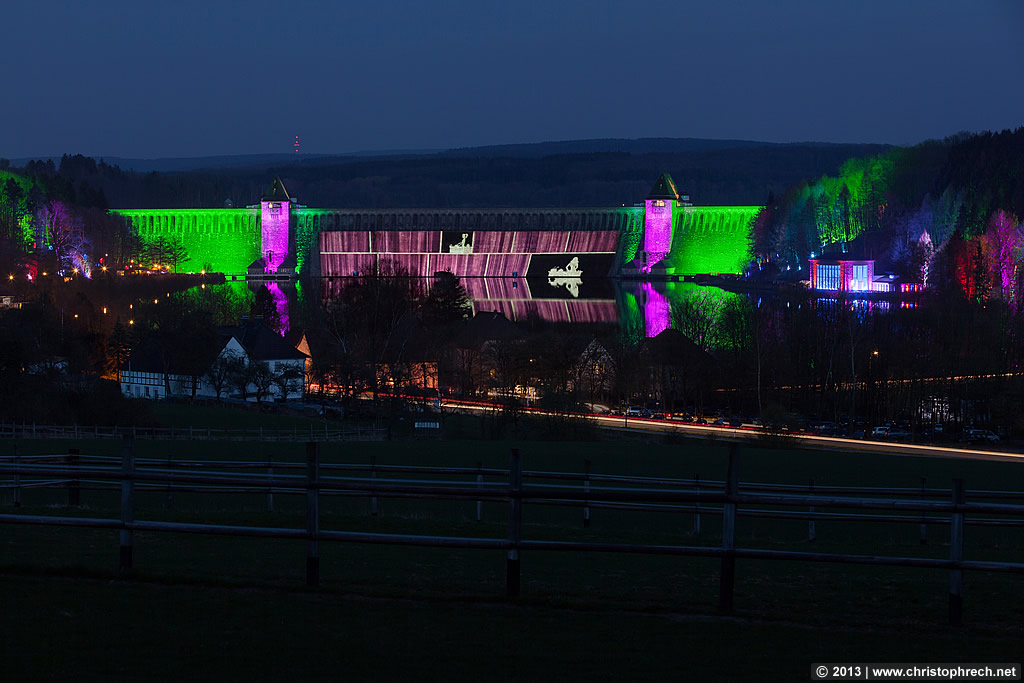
736	173
945	211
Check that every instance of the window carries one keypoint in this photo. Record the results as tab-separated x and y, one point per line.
658	202
828	277
859	278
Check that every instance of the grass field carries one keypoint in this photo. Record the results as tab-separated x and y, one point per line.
236	608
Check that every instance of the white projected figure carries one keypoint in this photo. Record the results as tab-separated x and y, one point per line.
570	277
463	247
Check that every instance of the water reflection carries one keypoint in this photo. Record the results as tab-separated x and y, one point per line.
646	308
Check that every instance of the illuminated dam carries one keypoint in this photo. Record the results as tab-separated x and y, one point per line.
664	236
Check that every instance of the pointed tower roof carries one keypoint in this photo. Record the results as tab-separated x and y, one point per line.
665	188
277	192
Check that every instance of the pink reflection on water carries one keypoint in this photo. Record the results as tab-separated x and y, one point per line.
657	317
280	305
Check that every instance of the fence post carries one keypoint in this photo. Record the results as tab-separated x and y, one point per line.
515	522
696	506
586	491
17	478
373	476
127	496
924	526
811	531
479	485
956	554
728	573
74	484
312	513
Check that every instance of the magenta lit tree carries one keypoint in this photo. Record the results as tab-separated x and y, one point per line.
63	233
1004	246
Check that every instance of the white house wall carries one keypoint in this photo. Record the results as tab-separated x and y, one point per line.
136	384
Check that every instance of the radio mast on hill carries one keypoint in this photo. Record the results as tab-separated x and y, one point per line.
296	145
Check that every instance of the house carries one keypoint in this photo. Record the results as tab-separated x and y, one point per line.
484	353
403	364
254	342
148	374
681	373
595	372
842	272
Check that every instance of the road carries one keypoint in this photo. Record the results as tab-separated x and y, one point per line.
751	432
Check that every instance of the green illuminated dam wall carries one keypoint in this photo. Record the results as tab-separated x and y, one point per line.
226	239
707	239
712	239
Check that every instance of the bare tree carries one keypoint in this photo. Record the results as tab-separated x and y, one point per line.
697	316
63	230
262	379
287	380
222	370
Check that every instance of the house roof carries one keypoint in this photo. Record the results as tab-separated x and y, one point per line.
664	188
144	358
260	342
487	326
277	192
672	347
837	256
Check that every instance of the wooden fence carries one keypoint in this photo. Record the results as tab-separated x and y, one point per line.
516	487
32	430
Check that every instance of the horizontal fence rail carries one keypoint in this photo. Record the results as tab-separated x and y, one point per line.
294	435
515	487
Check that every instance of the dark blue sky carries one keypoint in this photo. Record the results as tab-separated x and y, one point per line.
169	78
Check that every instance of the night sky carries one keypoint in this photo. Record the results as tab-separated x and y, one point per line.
174	79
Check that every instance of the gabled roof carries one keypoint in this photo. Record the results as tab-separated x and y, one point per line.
144	357
665	188
672	347
277	192
487	326
260	342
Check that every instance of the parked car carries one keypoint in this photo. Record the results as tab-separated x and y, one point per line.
899	434
972	435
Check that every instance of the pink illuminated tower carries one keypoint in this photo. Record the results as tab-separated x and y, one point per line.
659	210
275	220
